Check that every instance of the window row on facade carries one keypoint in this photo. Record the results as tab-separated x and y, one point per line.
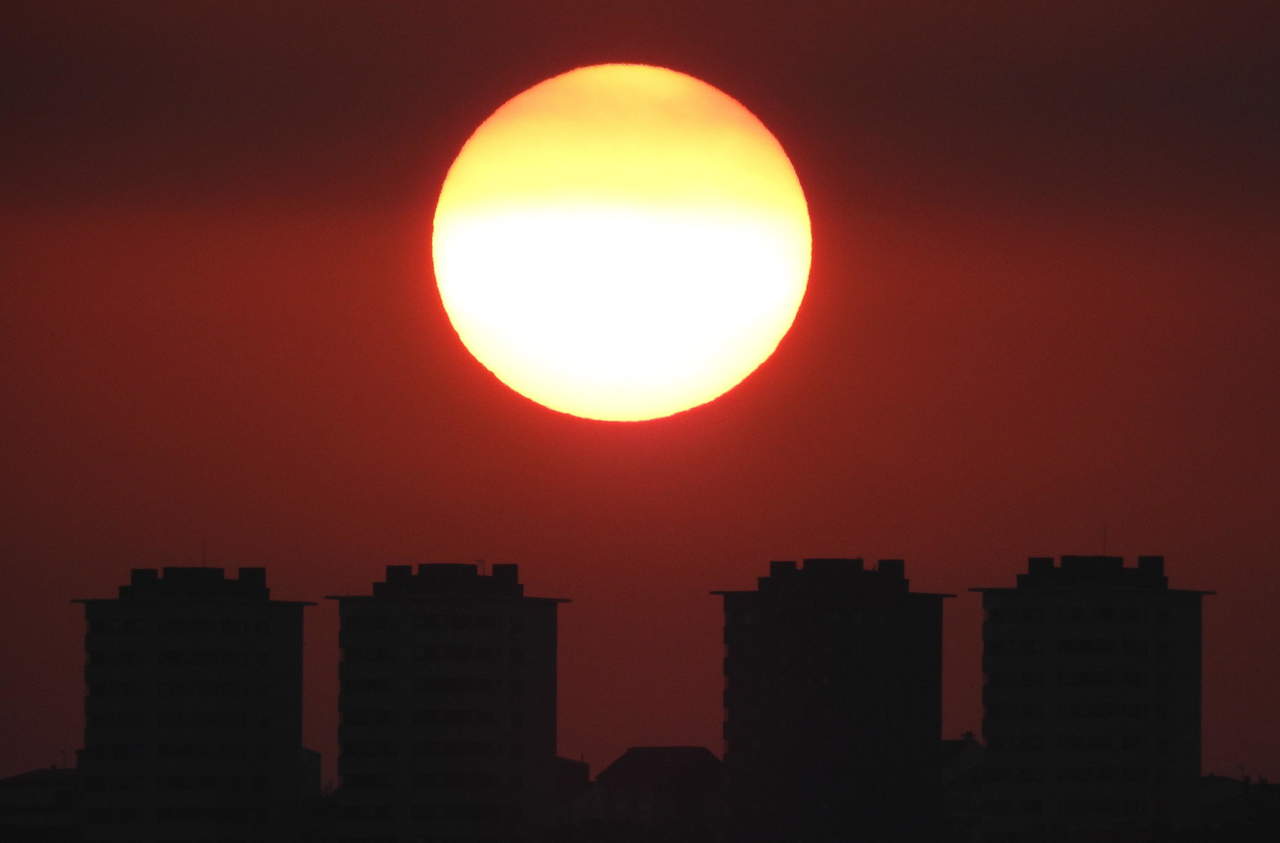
1077	614
362	623
438	750
1070	742
1076	808
128	783
454	652
1078	646
216	688
455	685
200	658
214	749
1079	679
177	627
1109	710
1108	773
185	814
443	811
219	718
418	684
449	779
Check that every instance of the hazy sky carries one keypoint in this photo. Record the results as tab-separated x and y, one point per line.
1042	308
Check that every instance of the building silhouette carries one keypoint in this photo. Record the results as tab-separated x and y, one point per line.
193	710
39	805
1091	704
653	793
832	704
961	762
572	780
447	707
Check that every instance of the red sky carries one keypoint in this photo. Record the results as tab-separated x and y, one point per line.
1043	305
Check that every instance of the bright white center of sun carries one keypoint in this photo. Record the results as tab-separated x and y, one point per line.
621	242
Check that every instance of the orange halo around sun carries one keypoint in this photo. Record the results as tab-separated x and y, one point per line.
621	242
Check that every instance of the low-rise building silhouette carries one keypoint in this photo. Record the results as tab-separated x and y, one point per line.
40	805
447	706
572	780
1228	810
654	793
962	767
193	710
833	704
1091	704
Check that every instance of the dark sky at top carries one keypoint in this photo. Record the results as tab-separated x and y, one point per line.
1042	310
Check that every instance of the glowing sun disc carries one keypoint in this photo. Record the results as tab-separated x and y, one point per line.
621	242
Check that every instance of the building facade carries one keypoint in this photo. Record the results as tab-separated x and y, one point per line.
193	709
1091	700
447	706
833	704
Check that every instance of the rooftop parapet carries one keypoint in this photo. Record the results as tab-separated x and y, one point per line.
834	573
450	578
1042	572
193	583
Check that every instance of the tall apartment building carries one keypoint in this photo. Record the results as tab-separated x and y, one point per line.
1091	704
193	710
447	706
832	704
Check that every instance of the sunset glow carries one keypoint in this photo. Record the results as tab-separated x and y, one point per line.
621	242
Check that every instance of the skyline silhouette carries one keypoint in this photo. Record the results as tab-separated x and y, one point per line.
832	717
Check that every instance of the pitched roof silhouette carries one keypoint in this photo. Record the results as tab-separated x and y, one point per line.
663	768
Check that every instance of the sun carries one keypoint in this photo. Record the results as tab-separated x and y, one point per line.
621	242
